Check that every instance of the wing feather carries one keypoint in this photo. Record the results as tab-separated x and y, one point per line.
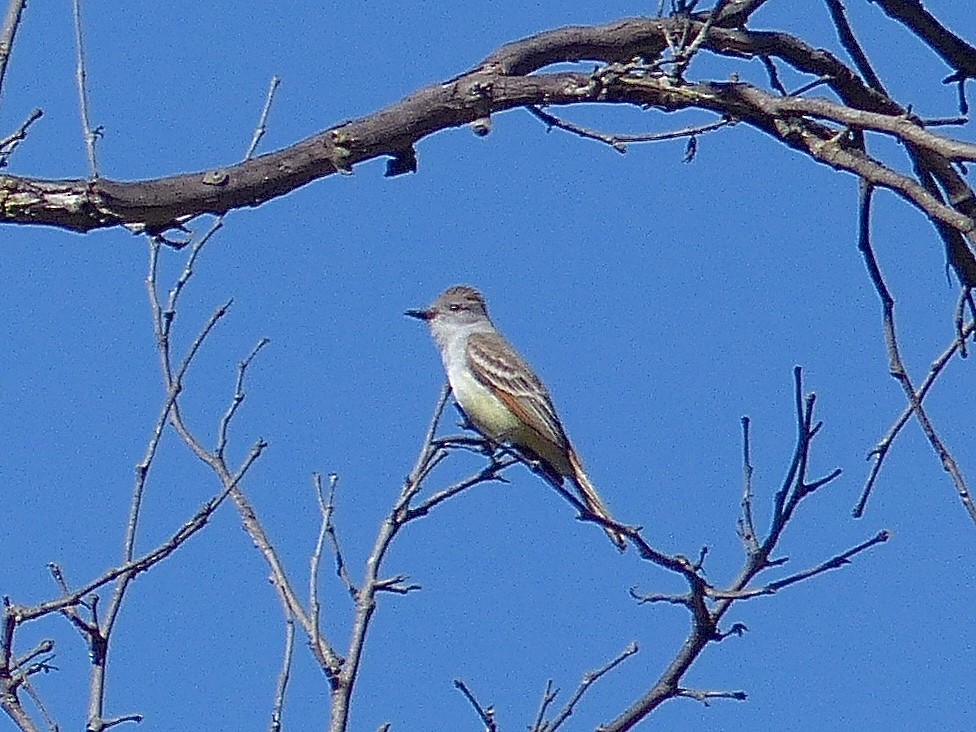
499	367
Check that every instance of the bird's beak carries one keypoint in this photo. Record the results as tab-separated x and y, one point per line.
419	314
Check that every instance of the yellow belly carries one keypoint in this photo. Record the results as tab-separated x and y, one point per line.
486	411
496	421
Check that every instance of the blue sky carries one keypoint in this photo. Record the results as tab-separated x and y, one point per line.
661	301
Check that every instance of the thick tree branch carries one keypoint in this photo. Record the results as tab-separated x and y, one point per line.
502	82
953	49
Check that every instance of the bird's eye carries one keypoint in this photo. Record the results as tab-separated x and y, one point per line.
454	307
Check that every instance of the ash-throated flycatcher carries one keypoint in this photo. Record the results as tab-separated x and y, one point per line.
501	395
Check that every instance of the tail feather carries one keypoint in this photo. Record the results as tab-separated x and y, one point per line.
592	499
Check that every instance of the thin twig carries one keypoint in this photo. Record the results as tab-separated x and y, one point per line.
809	86
44	648
489	473
703	696
135	566
965	298
11	22
833	563
850	43
115	721
687	53
943	121
548	697
261	128
238	398
747	528
315	560
327	507
773	73
619	141
804	415
652	598
283	676
10	143
487	715
585	683
90	135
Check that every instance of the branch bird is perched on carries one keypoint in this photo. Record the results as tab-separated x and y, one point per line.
501	395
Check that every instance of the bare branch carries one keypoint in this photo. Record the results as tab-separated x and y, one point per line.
835	562
548	697
283	676
850	43
953	50
747	527
509	79
261	128
709	605
91	134
238	398
704	696
881	450
587	681
487	715
895	364
11	22
10	143
620	141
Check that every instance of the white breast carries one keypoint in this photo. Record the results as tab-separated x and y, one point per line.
486	411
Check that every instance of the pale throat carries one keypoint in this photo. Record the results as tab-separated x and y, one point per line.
486	412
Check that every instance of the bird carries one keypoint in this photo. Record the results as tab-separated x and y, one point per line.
503	398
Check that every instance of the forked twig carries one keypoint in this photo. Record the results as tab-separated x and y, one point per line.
586	682
881	450
709	605
895	363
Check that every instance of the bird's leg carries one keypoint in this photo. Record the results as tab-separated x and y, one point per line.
501	449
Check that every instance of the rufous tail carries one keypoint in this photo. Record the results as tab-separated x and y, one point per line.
592	499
